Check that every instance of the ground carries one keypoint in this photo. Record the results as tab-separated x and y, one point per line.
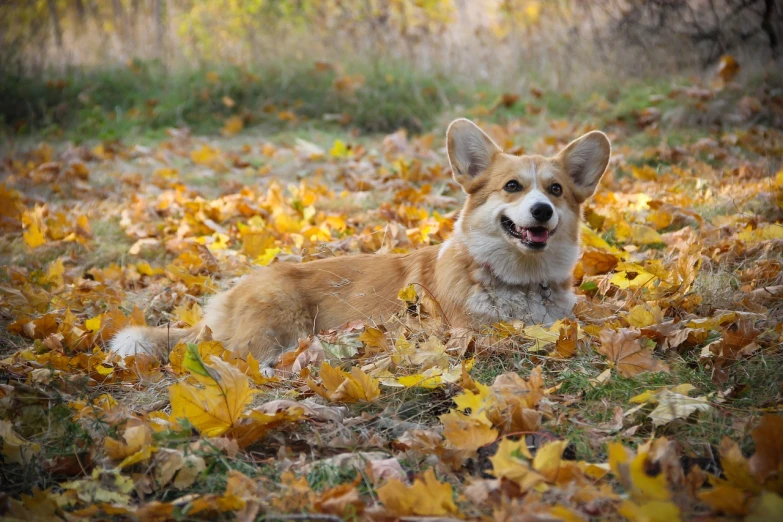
660	400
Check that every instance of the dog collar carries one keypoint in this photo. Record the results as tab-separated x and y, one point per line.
544	289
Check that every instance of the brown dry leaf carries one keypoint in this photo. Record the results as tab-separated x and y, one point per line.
625	352
767	463
567	342
253	425
295	495
340	500
728	67
385	469
515	400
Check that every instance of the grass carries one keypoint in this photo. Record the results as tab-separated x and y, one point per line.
143	99
117	105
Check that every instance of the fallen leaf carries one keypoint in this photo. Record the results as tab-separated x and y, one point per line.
625	352
676	406
426	497
215	406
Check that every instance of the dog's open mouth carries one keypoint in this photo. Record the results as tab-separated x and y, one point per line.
533	237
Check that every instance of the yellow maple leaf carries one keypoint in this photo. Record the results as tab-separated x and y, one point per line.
135	438
421	381
655	511
357	386
340	386
373	337
591	239
631	275
144	454
206	155
512	461
145	268
55	272
214	408
676	406
426	497
736	467
650	396
644	235
403	350
93	324
190	316
660	219
542	335
642	316
232	126
267	257
34	235
762	233
477	402
206	349
768	506
407	294
340	150
726	499
286	116
466	433
15	448
632	471
548	459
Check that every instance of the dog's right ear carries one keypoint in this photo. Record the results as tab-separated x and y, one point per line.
470	150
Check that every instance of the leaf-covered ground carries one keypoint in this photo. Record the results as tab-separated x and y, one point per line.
660	401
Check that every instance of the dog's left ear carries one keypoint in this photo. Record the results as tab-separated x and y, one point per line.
470	151
585	160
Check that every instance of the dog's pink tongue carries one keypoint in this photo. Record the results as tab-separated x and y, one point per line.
538	234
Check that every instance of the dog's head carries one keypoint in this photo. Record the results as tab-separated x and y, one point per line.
522	213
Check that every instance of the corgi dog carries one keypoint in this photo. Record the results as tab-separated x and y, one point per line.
511	255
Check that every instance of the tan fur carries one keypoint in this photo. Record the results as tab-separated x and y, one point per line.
480	275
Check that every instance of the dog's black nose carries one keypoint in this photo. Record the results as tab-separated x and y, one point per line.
541	212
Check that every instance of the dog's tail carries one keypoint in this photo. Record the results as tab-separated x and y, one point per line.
157	342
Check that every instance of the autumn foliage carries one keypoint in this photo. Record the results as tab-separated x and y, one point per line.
658	401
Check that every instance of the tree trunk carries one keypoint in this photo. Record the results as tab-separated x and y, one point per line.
160	27
81	12
55	19
769	28
121	23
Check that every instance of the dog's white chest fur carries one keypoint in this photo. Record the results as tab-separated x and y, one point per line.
493	300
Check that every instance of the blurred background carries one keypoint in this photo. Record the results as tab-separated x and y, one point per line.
96	68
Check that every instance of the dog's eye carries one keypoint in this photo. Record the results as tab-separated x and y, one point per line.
513	186
555	189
